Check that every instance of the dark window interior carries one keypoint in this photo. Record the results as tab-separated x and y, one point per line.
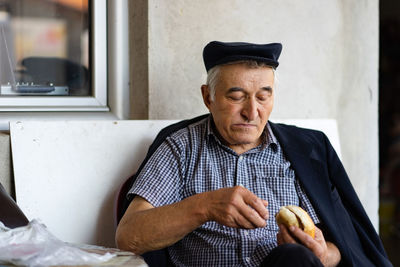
44	48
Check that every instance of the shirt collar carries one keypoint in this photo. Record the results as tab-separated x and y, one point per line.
271	139
268	136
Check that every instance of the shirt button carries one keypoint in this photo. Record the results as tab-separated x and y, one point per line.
247	259
240	158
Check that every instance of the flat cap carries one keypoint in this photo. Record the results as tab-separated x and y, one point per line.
217	53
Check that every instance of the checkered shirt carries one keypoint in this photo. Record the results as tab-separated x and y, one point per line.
193	160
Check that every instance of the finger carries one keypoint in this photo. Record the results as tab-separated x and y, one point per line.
300	235
251	207
319	236
243	222
279	238
265	203
316	246
285	235
256	203
230	209
252	216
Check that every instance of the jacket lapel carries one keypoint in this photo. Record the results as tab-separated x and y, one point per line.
311	172
308	168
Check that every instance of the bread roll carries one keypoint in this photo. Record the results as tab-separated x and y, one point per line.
296	216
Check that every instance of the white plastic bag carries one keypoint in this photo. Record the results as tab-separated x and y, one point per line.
33	245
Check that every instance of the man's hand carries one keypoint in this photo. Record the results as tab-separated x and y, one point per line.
236	207
140	229
327	252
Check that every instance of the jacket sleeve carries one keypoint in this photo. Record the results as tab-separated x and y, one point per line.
360	235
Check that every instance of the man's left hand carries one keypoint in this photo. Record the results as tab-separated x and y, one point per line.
327	252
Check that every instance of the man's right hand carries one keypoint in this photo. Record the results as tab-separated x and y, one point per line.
144	227
236	207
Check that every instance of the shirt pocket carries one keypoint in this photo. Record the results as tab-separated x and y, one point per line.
278	191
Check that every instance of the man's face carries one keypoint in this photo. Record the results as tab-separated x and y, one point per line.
243	101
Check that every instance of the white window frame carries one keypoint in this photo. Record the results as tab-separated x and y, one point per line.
104	16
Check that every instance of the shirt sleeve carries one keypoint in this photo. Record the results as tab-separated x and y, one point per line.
161	181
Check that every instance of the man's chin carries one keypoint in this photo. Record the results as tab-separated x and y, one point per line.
246	141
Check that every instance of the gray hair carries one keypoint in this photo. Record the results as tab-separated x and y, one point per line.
213	74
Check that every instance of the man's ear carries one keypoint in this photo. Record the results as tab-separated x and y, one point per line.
205	92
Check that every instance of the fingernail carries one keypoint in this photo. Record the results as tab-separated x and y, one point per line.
291	228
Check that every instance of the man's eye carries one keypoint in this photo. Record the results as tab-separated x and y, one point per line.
235	97
264	97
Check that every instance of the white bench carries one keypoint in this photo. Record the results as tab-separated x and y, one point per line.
68	172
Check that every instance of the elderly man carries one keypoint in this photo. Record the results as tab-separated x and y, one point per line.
210	187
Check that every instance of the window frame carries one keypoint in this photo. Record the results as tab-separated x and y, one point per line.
99	78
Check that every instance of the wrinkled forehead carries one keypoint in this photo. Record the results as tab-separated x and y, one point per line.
242	69
237	74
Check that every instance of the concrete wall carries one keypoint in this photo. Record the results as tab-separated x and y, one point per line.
329	65
5	164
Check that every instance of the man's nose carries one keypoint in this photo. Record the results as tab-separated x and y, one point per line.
249	110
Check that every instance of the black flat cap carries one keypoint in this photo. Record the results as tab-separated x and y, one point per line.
217	53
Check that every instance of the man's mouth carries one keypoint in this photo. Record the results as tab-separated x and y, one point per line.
244	125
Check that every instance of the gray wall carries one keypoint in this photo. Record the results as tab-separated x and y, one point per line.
5	164
329	65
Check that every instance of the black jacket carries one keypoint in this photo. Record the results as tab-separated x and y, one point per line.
344	221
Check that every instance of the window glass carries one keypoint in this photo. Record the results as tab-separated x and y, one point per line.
44	48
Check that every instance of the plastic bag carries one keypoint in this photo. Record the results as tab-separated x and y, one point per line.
33	245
